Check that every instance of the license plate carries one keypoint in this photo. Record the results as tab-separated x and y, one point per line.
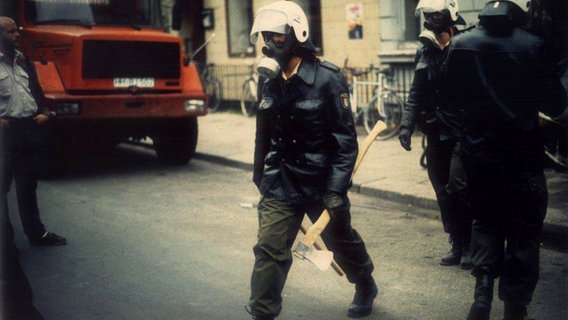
133	82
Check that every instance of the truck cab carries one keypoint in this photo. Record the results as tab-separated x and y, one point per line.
111	73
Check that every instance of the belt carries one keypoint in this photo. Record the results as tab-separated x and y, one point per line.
14	119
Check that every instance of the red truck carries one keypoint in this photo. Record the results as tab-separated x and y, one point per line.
111	73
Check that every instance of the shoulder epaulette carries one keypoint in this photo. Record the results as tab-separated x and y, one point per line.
330	66
466	29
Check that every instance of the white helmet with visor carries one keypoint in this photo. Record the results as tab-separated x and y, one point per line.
449	7
280	17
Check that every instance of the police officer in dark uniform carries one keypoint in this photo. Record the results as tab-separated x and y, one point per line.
500	76
305	150
428	108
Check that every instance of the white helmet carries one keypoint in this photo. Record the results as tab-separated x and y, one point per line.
451	6
523	4
279	17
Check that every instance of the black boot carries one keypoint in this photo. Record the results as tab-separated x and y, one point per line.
515	311
256	316
365	293
483	297
453	257
465	262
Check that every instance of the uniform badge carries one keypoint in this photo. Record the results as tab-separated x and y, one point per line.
345	100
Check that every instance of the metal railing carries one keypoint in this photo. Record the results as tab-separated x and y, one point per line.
232	78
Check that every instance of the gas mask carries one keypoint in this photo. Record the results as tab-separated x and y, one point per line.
437	22
281	51
428	38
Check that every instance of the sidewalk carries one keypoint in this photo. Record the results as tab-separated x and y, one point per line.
387	171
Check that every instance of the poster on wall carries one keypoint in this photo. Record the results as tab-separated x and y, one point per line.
354	16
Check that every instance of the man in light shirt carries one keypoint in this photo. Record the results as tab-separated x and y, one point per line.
21	130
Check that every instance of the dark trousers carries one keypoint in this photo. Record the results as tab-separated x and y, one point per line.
445	171
22	159
16	293
279	224
17	296
509	206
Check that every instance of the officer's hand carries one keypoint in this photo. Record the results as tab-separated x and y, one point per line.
41	119
335	204
404	138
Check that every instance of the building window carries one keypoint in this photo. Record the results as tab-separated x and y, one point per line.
411	21
9	9
312	8
239	22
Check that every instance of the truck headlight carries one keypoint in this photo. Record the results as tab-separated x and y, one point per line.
67	108
194	105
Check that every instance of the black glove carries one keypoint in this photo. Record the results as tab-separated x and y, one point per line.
335	204
404	138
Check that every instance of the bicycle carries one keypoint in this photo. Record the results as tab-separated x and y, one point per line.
385	105
356	108
555	140
212	86
423	156
249	96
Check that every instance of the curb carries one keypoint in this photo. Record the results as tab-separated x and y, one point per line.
553	236
224	161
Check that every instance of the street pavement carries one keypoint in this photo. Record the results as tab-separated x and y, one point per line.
387	171
152	242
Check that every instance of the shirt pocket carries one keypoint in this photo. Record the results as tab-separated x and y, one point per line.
24	77
309	109
310	105
319	160
5	85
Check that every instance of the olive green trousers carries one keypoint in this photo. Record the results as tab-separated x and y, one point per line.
279	224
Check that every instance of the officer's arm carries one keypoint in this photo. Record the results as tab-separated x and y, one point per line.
343	135
417	95
261	144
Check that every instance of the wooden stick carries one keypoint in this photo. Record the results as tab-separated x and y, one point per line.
317	228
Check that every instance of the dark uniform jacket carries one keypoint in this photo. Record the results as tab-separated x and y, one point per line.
306	142
426	105
501	81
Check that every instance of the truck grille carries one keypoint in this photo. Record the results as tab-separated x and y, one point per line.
130	59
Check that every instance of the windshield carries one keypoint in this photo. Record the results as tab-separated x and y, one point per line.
135	13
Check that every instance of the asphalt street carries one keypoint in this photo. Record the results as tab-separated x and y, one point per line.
153	242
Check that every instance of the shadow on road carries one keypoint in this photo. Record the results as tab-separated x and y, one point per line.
124	159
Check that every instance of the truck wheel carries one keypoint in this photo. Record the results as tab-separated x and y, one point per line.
175	142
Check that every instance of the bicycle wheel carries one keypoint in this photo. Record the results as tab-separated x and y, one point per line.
424	157
248	99
213	90
393	107
554	136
